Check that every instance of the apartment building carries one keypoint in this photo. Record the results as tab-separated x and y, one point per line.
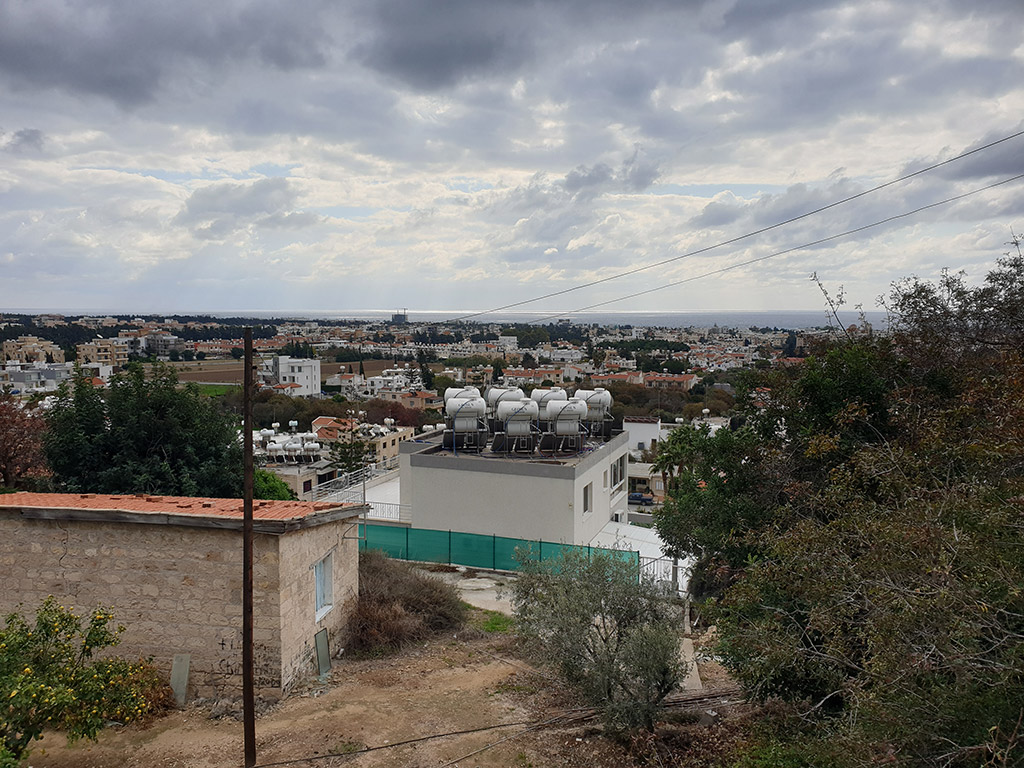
113	352
31	349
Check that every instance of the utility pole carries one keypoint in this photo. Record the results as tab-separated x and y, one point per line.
248	698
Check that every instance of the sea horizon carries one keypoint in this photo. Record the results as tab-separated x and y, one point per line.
782	318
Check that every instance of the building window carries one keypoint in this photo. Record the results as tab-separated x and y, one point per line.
307	486
324	586
605	479
588	492
618	472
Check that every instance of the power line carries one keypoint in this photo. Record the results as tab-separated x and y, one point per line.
313	758
745	236
810	244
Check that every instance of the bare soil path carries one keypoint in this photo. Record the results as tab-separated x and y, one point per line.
452	683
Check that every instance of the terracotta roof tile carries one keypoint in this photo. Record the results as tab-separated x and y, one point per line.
175	505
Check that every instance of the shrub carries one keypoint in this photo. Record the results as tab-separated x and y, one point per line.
48	678
613	635
399	604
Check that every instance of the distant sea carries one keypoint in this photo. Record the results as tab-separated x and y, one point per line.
788	319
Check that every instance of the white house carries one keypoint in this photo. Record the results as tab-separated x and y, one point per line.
293	376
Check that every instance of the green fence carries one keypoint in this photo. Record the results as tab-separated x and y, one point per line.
471	549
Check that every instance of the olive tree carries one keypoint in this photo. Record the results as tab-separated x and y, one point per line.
612	633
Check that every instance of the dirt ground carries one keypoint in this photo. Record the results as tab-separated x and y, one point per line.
453	683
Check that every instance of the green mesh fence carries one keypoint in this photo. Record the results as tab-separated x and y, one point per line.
469	549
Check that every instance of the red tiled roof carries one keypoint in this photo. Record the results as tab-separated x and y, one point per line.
167	505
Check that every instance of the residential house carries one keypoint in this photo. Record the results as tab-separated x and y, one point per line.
623	377
517	377
684	381
644	432
556	497
382	439
419	399
293	376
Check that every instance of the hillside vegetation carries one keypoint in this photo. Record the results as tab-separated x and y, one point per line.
859	540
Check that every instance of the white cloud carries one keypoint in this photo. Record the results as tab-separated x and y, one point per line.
466	154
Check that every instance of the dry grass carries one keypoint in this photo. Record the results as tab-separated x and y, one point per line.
399	605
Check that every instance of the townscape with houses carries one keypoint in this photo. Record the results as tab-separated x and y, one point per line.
544	434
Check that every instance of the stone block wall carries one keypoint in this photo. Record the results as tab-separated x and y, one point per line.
177	589
300	551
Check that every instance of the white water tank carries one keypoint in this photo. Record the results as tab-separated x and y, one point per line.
497	395
465	413
599	402
544	396
461	393
517	417
565	416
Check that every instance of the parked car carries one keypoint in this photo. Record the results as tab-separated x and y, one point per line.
642	499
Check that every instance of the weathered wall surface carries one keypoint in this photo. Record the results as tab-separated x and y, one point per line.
176	589
300	551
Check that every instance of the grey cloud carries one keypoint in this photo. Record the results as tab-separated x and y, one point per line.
718	213
216	211
435	45
1005	159
582	177
429	46
295	220
552	213
124	49
26	140
634	175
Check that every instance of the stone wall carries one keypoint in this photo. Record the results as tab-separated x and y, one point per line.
178	589
300	551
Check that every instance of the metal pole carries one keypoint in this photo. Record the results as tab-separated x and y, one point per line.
248	698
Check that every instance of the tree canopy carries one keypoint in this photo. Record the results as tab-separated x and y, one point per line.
22	464
863	530
143	435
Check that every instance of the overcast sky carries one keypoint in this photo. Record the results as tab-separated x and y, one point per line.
465	154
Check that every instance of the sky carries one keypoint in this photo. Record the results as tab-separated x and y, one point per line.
466	155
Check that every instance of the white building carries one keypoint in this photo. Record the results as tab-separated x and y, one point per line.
567	499
644	432
43	378
293	376
393	379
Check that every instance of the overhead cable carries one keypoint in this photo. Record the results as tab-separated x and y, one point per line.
801	247
739	238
